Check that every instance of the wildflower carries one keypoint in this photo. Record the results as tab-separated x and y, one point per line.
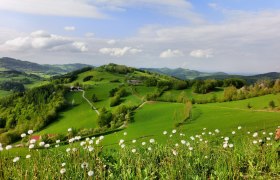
170	135
69	129
255	142
164	132
230	145
152	140
56	146
90	142
63	164
149	148
71	140
125	133
270	133
225	145
16	159
68	150
31	146
175	153
264	133
205	142
217	130
133	141
32	141
192	138
200	140
84	165
239	127
28	156
176	144
74	149
82	143
204	129
23	135
255	134
209	133
190	148
206	157
233	132
90	148
143	143
93	138
97	141
183	141
57	141
8	147
174	131
268	138
87	139
260	140
1	149
248	132
30	132
203	133
121	141
62	171
122	146
101	137
41	143
47	145
133	150
78	138
226	138
90	173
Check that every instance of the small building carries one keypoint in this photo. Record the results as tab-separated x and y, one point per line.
134	82
74	88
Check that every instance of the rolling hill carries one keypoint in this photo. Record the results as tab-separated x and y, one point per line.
183	73
7	63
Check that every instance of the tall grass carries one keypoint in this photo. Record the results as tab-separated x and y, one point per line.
207	155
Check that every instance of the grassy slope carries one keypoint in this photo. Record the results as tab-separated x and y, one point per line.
80	116
150	120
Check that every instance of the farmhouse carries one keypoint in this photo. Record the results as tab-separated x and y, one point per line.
74	88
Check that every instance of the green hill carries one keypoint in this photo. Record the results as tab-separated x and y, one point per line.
182	73
7	63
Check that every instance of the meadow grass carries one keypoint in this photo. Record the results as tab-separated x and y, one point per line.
200	156
79	116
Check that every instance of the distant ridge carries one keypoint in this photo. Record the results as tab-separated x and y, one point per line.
183	73
7	64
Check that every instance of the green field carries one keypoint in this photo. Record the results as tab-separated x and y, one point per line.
4	93
80	115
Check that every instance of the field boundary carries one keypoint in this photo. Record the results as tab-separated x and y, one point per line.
91	105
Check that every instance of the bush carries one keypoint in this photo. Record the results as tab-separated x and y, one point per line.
115	101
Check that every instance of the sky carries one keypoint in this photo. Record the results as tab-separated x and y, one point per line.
234	36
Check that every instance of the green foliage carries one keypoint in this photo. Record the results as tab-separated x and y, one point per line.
114	68
271	104
12	86
203	87
115	100
87	78
104	118
230	93
238	83
34	109
94	98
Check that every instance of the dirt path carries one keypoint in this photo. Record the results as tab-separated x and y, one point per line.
91	105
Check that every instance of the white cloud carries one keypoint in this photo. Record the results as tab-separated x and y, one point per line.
202	53
41	40
89	35
111	42
80	46
69	28
171	53
118	52
70	8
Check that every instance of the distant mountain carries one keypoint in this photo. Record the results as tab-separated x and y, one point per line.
183	73
250	79
7	63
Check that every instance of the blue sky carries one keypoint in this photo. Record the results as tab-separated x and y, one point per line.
220	35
